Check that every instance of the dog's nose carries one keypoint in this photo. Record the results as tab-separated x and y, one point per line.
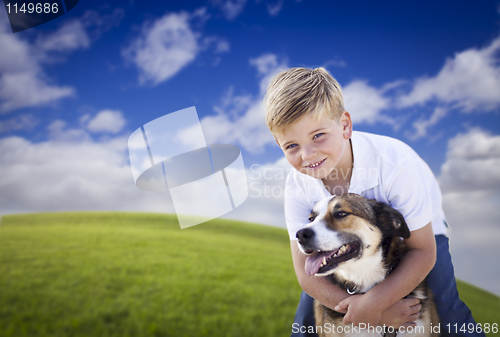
305	235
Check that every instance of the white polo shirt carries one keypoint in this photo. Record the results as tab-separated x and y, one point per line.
384	169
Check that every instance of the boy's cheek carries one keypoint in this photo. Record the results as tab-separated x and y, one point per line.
291	160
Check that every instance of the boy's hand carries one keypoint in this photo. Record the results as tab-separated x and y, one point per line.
402	313
360	309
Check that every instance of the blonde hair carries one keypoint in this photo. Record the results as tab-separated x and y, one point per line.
295	92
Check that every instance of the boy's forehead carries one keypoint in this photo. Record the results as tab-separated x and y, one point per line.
304	126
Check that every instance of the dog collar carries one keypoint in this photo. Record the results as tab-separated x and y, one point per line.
351	292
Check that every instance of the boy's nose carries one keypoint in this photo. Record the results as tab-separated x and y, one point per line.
308	153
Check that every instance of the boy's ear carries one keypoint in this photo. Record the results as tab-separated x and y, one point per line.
346	123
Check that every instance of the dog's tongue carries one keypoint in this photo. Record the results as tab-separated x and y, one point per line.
313	262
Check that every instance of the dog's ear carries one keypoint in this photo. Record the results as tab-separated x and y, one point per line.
390	220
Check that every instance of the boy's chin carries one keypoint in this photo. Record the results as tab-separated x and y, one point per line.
317	174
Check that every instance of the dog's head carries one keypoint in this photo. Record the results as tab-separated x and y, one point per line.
346	228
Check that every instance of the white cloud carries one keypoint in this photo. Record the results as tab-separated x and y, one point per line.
219	45
266	188
470	181
334	63
422	125
16	54
472	163
474	240
70	36
241	118
163	48
57	131
230	9
365	102
23	83
266	63
21	122
469	81
275	8
28	88
267	66
107	121
249	131
222	46
190	137
71	172
98	23
233	105
169	44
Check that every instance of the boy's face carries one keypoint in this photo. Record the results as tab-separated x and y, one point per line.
315	146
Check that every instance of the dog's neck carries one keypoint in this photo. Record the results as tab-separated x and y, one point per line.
363	274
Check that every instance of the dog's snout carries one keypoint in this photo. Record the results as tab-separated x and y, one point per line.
305	235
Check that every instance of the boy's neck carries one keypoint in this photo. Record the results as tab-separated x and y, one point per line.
339	180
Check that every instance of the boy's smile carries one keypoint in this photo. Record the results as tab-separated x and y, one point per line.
316	146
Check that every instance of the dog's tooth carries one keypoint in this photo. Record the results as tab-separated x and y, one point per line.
324	259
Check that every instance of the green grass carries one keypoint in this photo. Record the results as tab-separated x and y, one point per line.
131	274
484	305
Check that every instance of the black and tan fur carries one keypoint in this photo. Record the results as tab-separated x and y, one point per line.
369	233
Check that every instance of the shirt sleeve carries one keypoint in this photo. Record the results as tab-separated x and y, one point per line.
409	192
297	207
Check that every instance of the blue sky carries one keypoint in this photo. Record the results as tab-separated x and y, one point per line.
428	73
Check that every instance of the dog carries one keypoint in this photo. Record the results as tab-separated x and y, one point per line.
355	243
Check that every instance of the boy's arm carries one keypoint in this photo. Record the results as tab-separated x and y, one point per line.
413	268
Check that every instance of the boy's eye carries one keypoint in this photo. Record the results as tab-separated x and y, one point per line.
291	146
318	135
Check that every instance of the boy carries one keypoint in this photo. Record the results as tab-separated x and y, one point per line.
305	113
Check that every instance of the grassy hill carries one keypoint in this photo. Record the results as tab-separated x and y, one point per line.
133	274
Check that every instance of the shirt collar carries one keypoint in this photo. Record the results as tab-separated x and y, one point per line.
365	174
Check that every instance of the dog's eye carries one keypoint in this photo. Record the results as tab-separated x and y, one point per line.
312	216
341	214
